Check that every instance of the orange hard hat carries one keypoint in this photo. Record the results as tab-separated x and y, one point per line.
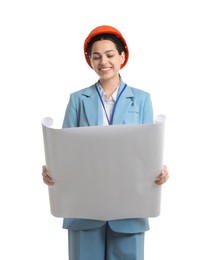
105	29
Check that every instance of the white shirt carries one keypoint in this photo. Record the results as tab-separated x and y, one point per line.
108	103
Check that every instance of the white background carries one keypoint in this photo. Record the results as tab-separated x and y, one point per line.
42	62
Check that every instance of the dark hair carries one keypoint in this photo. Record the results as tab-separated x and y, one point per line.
111	37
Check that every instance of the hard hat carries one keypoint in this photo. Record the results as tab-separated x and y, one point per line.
108	30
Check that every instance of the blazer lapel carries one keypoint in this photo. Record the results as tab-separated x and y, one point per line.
124	103
92	107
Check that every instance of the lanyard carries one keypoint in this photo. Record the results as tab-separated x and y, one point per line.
110	121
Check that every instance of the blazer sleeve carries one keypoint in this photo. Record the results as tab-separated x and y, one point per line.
148	117
71	118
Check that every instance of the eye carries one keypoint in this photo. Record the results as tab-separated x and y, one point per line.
96	57
110	55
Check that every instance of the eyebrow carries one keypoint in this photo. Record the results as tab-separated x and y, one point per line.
105	52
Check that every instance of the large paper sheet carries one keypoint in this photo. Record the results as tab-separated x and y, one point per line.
104	172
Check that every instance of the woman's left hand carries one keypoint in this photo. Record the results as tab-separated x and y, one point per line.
163	177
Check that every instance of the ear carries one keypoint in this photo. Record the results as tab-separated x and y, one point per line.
122	57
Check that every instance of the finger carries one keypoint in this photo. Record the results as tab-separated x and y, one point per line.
44	170
162	178
48	180
49	183
164	169
160	181
165	172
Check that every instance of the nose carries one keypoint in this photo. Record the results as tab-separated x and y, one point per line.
103	59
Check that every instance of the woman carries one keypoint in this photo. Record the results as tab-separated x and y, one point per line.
108	101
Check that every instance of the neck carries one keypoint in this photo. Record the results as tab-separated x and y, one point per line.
109	86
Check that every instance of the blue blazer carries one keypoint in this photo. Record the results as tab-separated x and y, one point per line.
85	109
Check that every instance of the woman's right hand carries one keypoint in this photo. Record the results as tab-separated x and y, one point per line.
46	178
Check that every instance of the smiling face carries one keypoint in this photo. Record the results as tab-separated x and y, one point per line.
105	59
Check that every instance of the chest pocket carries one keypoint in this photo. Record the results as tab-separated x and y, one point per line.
133	116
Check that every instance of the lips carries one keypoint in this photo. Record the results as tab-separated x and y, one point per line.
105	69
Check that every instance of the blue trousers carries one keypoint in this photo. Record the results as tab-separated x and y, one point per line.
104	244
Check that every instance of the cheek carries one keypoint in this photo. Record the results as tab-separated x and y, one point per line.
92	64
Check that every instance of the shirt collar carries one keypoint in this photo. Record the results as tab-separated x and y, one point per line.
104	96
